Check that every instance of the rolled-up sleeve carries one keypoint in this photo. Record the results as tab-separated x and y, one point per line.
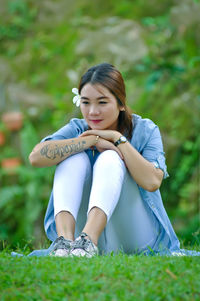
153	151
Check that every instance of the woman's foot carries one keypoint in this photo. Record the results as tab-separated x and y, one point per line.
83	246
61	247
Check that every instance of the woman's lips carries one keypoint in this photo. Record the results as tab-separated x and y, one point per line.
96	121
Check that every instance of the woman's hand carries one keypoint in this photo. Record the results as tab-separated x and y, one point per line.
104	144
106	140
108	135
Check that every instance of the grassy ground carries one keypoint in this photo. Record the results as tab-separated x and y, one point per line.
118	277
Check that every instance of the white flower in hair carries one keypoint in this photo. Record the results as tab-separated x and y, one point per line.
77	98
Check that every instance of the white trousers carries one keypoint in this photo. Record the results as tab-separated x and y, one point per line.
131	225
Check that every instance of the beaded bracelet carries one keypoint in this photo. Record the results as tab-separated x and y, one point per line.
96	140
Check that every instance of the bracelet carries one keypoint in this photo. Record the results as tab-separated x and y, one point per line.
92	147
96	140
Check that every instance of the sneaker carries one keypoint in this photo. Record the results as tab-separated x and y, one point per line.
61	247
83	246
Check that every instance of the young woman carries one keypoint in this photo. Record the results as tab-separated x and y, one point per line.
110	165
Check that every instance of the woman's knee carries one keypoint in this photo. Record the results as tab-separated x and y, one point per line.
78	161
110	157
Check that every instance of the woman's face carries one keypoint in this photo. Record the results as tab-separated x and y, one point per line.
99	107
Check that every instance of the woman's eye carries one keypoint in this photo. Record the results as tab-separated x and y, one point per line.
103	102
85	102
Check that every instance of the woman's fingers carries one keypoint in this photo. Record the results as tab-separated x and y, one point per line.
89	132
84	134
108	135
102	144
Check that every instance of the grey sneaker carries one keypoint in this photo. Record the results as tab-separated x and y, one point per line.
83	246
61	247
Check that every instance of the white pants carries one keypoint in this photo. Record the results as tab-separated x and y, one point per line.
131	225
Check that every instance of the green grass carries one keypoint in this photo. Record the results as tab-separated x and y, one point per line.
119	277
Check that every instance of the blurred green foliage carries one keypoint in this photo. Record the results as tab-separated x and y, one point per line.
18	19
40	42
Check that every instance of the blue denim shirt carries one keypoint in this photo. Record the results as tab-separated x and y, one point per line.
146	139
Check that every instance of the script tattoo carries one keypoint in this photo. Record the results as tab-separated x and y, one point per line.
54	151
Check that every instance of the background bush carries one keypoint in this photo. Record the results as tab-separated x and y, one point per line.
44	48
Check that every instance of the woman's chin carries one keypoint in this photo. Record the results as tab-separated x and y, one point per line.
101	126
96	127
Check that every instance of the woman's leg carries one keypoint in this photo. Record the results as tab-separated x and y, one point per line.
108	176
133	227
69	179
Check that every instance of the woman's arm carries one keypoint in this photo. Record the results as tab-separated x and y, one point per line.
52	152
143	172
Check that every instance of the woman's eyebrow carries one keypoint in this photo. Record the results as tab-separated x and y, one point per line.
98	98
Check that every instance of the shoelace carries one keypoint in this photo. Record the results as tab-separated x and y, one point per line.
61	243
82	243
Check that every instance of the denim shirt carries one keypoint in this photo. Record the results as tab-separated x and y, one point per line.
146	139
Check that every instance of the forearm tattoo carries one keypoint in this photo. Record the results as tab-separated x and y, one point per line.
54	151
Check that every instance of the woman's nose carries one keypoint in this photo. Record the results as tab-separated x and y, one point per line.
94	110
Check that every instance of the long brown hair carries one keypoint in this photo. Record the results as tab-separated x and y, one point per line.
109	77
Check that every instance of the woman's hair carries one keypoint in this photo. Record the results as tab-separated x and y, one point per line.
109	77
